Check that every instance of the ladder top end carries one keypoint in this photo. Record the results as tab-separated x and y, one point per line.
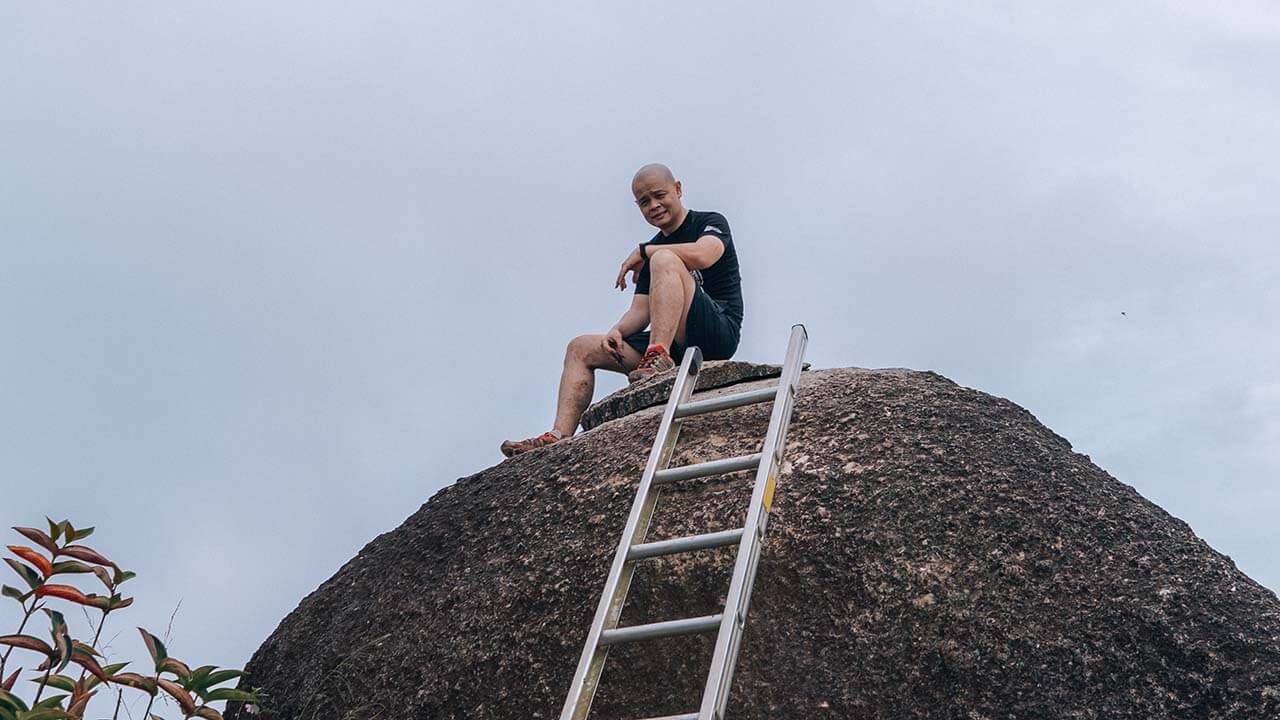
695	362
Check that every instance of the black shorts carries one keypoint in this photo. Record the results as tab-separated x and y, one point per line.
706	327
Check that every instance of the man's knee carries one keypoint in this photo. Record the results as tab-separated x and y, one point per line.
664	259
581	347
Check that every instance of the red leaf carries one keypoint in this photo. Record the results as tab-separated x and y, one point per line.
208	713
29	574
33	557
155	647
40	538
62	642
85	647
7	685
86	661
26	642
105	577
68	567
66	592
175	666
78	705
134	680
87	554
185	701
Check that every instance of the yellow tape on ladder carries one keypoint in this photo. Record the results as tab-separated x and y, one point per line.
768	494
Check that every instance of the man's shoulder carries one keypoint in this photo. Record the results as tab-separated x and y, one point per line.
710	222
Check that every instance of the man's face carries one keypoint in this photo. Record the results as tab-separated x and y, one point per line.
659	199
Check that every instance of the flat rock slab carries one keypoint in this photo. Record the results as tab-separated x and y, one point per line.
655	391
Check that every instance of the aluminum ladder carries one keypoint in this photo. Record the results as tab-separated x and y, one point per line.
749	538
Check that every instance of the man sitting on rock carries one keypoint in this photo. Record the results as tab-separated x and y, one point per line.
688	291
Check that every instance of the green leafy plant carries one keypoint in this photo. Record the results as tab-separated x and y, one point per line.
44	570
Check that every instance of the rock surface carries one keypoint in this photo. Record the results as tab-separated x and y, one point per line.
934	552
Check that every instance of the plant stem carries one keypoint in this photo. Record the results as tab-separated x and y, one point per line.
21	627
40	692
146	714
119	698
94	644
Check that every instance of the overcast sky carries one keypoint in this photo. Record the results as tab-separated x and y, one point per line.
272	274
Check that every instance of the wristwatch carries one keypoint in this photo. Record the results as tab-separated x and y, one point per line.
644	257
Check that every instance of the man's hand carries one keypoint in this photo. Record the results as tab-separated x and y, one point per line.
632	265
613	343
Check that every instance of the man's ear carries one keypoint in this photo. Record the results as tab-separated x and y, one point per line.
679	190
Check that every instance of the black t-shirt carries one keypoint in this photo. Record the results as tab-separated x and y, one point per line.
722	280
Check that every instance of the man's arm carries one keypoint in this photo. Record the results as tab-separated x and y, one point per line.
633	320
636	318
698	255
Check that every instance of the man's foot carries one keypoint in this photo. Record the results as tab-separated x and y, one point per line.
656	360
516	447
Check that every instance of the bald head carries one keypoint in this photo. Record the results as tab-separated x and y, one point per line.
656	171
658	195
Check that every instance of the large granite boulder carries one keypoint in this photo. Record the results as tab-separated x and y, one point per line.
934	552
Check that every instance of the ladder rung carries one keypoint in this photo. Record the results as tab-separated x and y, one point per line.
726	402
714	467
652	631
684	544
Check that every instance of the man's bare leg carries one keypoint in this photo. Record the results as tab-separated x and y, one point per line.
671	289
585	355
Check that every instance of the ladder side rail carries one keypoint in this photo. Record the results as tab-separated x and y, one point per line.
737	604
719	677
582	690
744	597
739	628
